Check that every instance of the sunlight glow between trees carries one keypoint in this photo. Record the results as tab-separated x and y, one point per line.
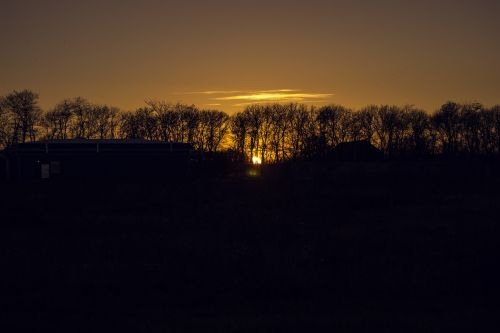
256	160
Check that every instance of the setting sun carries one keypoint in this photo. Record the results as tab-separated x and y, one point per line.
256	160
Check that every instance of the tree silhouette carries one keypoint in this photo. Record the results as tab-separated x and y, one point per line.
5	130
300	127
274	132
419	139
24	115
81	109
334	121
492	128
239	130
57	121
217	125
446	122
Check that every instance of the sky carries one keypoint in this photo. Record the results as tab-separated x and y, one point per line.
226	54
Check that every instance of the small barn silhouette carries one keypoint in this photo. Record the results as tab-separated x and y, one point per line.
357	151
91	159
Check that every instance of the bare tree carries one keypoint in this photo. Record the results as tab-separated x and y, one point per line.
489	130
470	127
279	115
217	127
5	128
366	119
168	119
334	123
446	122
81	124
495	116
253	113
389	127
129	126
105	121
24	113
146	122
238	125
266	125
419	128
300	125
57	121
188	121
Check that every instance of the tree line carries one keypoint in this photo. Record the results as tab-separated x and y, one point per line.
274	132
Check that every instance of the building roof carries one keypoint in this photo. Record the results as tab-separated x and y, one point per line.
361	150
92	145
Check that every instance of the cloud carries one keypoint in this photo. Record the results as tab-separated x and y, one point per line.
273	91
274	97
230	92
247	97
290	101
212	92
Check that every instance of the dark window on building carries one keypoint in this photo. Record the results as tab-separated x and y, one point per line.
45	171
55	167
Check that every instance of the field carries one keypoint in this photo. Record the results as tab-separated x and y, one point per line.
408	246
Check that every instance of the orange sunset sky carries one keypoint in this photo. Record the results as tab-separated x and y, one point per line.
226	54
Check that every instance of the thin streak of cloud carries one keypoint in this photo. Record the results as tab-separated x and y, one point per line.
229	92
274	91
252	103
212	92
317	101
274	97
289	101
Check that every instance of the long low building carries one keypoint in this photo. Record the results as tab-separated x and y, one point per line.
90	159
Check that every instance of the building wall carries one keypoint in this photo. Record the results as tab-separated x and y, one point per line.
4	168
91	165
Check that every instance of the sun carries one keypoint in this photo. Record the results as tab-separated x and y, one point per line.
256	160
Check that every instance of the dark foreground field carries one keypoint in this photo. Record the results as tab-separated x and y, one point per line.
395	246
